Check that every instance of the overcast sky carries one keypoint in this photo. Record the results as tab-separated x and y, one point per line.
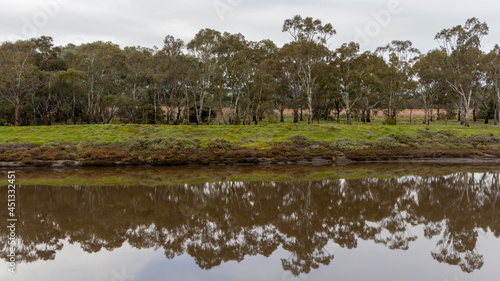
371	23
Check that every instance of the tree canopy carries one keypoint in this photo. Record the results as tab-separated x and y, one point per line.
226	79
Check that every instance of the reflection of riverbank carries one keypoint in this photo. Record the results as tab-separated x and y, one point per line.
441	158
228	221
196	174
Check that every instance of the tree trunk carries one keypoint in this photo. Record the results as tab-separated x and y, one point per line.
348	113
49	105
466	116
368	116
282	117
425	114
295	115
16	111
310	105
497	113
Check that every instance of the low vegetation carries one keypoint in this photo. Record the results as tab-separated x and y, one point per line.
176	145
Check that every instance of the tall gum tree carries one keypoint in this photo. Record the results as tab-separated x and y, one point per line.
17	71
463	47
372	78
429	70
491	62
400	56
101	62
309	47
346	60
204	47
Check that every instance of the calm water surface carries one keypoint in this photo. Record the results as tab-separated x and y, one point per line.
443	226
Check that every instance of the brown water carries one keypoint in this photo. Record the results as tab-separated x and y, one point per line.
431	227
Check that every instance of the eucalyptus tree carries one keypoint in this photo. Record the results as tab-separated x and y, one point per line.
291	87
491	64
350	70
17	72
101	62
169	66
137	76
308	47
48	61
70	87
463	47
429	70
328	95
234	56
398	83
372	78
261	82
204	47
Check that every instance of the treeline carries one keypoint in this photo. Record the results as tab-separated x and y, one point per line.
222	78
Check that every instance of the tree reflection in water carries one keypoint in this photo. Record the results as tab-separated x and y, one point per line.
220	222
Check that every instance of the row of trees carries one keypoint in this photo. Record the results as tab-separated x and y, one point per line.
223	78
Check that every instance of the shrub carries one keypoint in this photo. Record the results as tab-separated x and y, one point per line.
447	133
221	143
388	142
171	143
136	144
391	121
347	144
38	143
280	149
332	128
425	134
259	146
403	138
87	145
161	144
478	139
300	140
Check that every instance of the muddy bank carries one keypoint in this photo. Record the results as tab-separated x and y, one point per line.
280	154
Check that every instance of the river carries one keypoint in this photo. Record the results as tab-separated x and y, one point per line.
362	222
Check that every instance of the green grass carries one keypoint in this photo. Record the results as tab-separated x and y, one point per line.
246	136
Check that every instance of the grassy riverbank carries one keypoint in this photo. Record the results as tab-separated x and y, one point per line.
174	145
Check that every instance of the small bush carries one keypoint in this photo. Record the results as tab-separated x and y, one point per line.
347	144
161	144
391	121
447	133
403	138
332	128
171	143
136	144
425	134
300	140
38	143
87	145
259	146
388	142
221	143
484	139
280	149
